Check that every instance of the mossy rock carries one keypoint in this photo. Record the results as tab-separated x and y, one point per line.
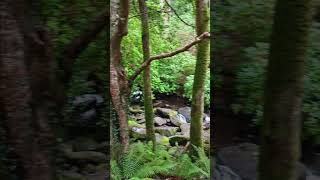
166	130
162	140
132	123
179	139
135	109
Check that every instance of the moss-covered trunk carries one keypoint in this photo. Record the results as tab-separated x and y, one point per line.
202	22
280	149
147	92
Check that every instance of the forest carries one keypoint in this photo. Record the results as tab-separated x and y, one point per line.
125	90
266	89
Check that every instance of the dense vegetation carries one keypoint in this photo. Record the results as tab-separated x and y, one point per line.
252	38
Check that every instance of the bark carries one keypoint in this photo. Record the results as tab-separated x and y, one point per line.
280	149
197	106
15	94
147	91
118	83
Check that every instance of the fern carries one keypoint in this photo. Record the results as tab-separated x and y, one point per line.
141	162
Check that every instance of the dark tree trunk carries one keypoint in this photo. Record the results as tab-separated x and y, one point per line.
16	95
280	149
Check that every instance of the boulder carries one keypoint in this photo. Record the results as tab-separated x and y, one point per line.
138	133
166	113
206	136
178	120
89	169
133	123
243	159
160	121
136	97
166	130
84	144
87	100
163	140
87	156
312	177
87	118
179	139
70	176
221	172
185	129
135	109
186	112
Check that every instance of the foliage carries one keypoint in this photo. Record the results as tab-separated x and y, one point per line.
167	75
250	85
188	88
141	162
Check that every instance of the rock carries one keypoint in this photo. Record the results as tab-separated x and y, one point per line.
84	144
163	140
173	150
71	176
206	126
88	118
103	147
221	172
141	121
206	119
166	130
135	109
160	121
89	156
185	129
186	112
166	113
206	136
206	122
179	139
136	97
178	120
313	177
89	169
138	133
88	100
243	159
133	123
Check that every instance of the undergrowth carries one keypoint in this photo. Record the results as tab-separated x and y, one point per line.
141	163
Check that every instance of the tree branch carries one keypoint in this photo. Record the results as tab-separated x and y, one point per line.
166	55
175	12
81	42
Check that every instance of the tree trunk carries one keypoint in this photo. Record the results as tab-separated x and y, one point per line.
147	92
202	21
118	83
280	149
15	94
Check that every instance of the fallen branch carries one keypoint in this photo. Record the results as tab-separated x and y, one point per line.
166	55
